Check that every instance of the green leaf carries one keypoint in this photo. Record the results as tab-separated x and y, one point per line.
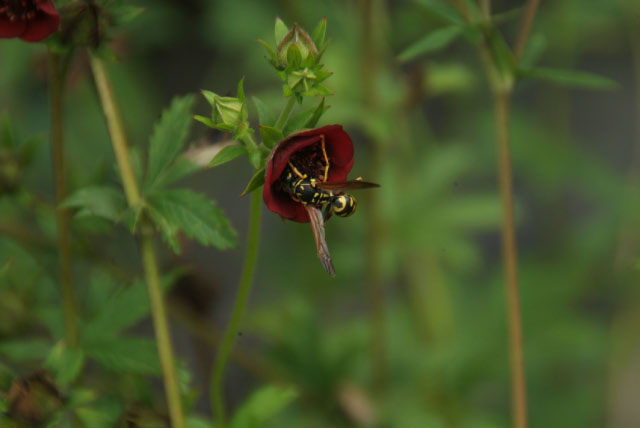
262	406
270	136
502	56
198	422
442	10
196	216
124	308
227	154
266	116
535	47
270	50
432	42
102	201
319	32
168	136
179	169
168	230
280	30
305	119
6	133
125	354
65	363
25	350
256	181
571	78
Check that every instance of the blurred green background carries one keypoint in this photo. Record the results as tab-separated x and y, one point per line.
412	332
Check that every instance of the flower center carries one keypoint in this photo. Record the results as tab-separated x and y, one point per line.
19	9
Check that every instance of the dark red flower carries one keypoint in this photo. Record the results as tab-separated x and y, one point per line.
304	151
31	20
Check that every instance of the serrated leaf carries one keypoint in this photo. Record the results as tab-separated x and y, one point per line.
227	154
25	350
280	30
65	363
125	354
432	42
256	181
122	309
270	136
168	230
570	78
262	406
102	201
197	216
319	32
168	136
266	116
179	169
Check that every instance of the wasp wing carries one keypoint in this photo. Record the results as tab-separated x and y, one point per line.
317	225
346	185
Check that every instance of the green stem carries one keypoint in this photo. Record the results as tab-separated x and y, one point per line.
282	120
57	76
152	276
518	385
244	289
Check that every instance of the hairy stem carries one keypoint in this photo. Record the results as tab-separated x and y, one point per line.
56	80
510	260
152	276
242	296
282	120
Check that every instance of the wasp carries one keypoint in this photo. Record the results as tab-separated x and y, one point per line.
316	195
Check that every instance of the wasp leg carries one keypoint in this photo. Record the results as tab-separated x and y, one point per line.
328	212
296	172
326	158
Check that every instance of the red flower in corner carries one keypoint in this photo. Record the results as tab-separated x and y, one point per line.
304	151
31	20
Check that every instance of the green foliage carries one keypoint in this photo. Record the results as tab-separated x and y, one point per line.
432	42
124	354
193	214
262	406
102	201
255	183
570	78
65	363
227	154
168	137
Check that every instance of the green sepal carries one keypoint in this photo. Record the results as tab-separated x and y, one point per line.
294	57
280	30
240	92
319	32
318	90
274	59
227	154
256	181
306	119
207	121
270	136
209	96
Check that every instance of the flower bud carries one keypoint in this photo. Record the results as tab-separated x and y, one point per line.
295	48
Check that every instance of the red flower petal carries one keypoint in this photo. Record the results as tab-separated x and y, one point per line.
339	150
45	23
9	29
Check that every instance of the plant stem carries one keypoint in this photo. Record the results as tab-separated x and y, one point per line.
282	120
242	296
525	28
518	385
152	276
56	80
